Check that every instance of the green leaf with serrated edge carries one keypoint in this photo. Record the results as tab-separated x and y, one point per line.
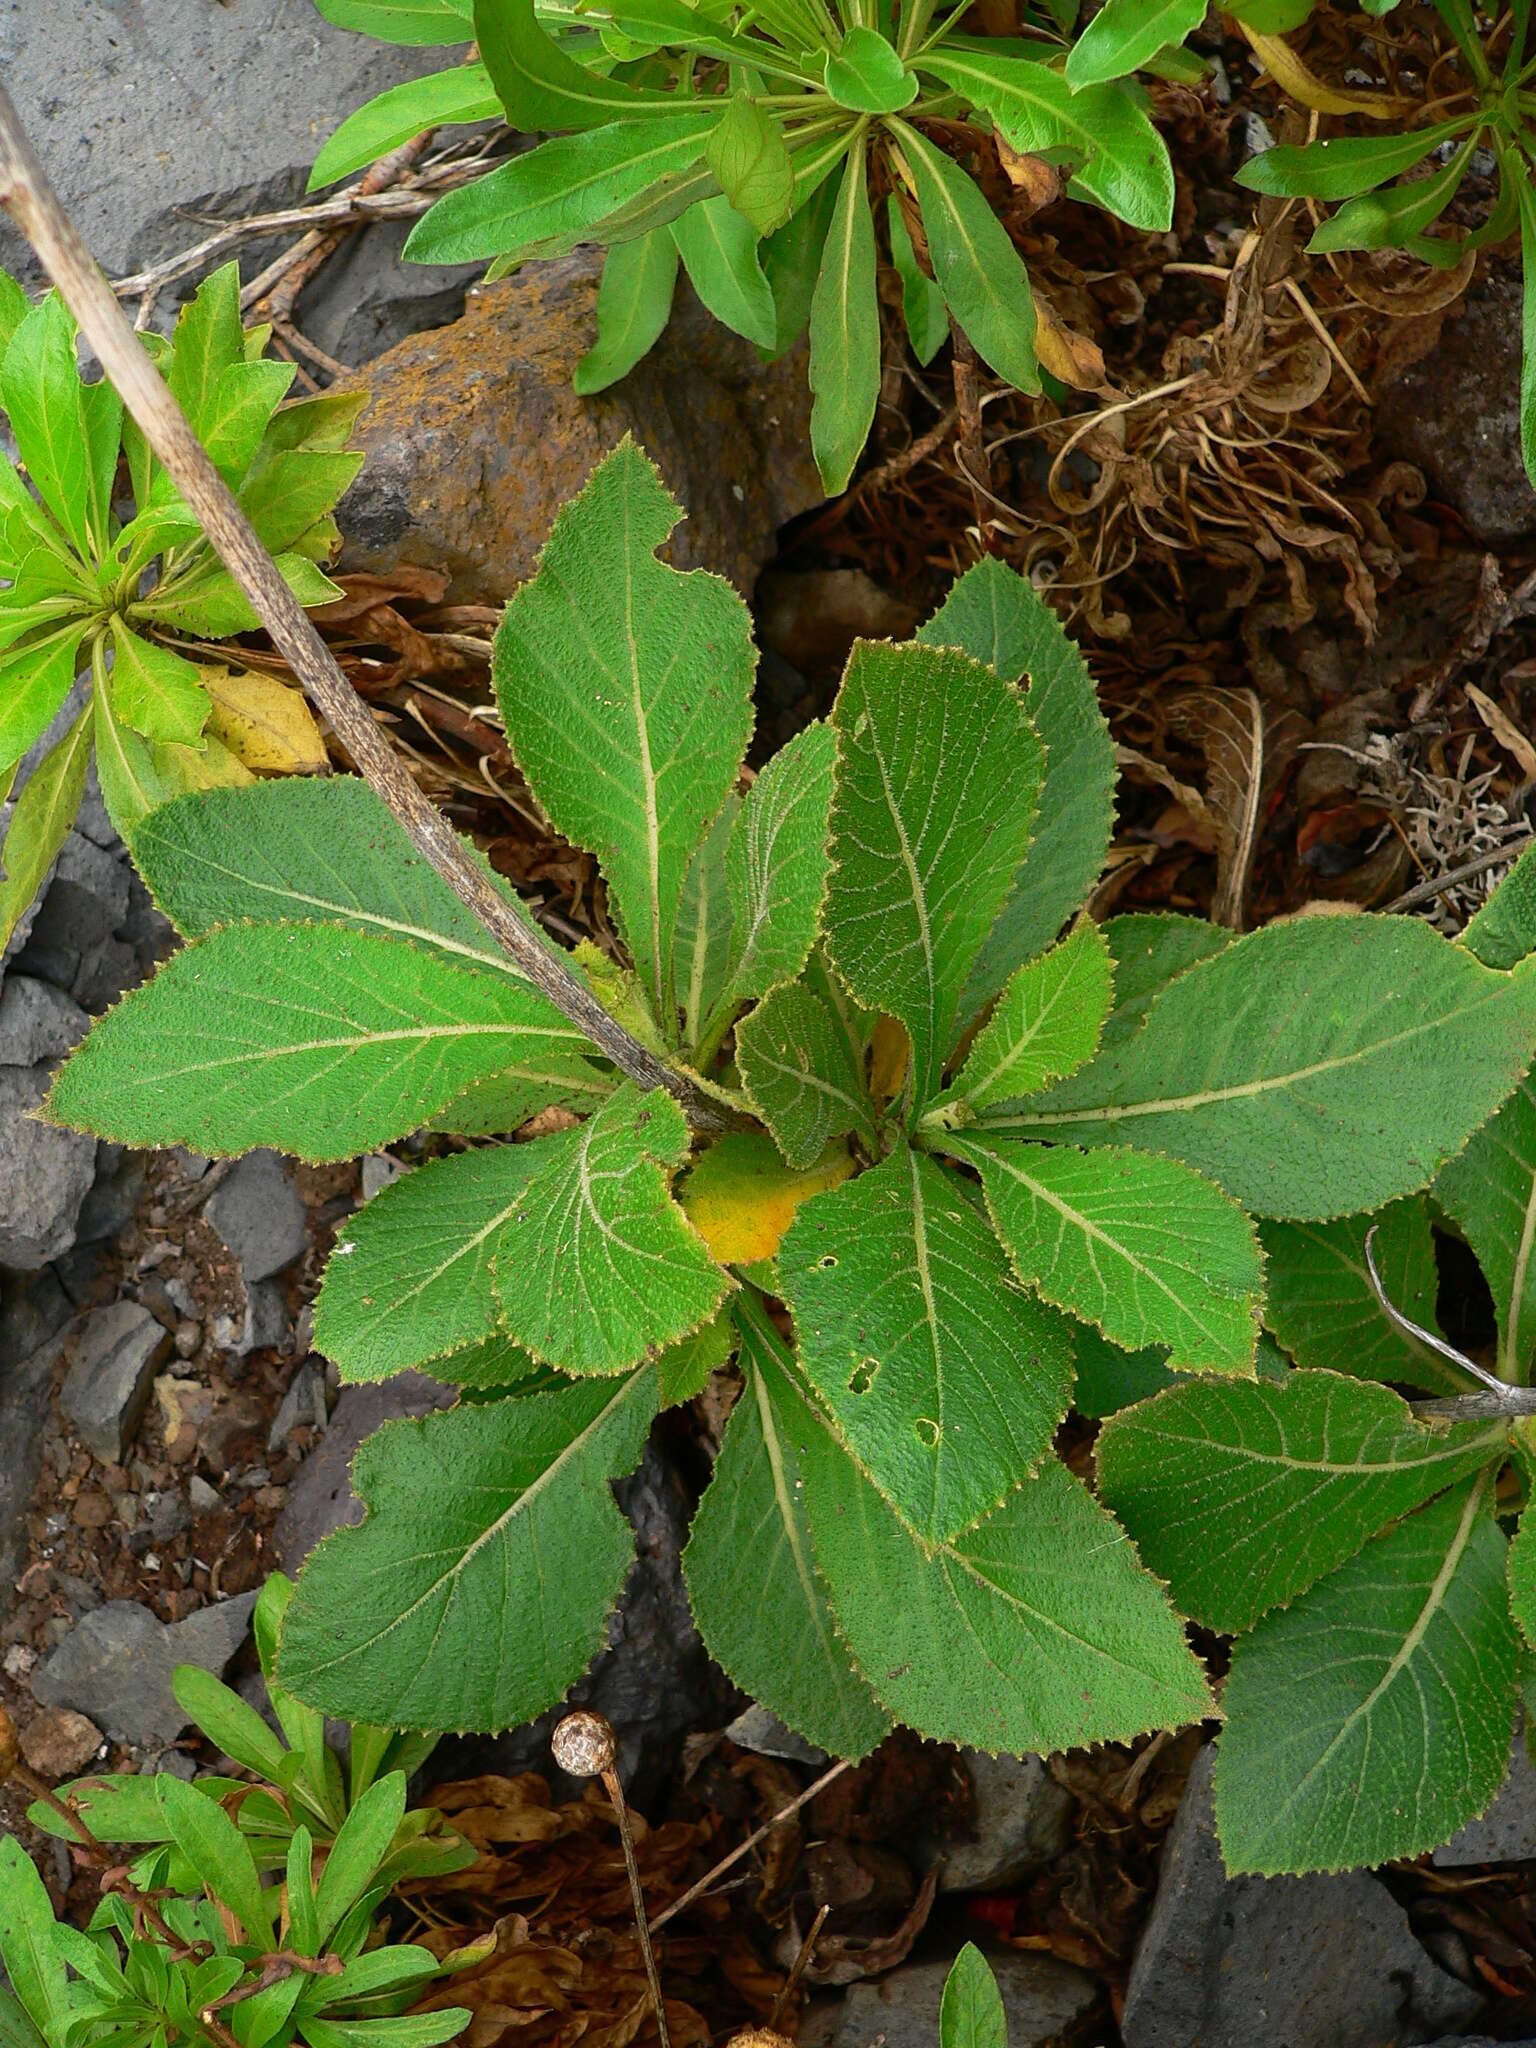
1504	930
867	77
1243	1496
268	854
701	937
791	260
1342	167
1150	949
719	251
1373	1718
776	863
550	198
219	1853
1490	1191
1109	1378
477	1588
496	1365
938	773
1316	1068
756	1594
1124	34
995	616
155	691
288	489
751	163
226	399
684	1369
971	2011
598	1265
40	384
402	21
634	302
34	681
410	1279
540	86
503	1103
1046	1023
944	1382
319	1041
626	691
40	823
1122	162
27	1947
975	264
1522	1576
1321	1305
1141	1245
922	303
845	331
1037	1630
802	1074
324	421
441	99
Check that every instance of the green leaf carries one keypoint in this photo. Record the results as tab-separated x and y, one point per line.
867	77
358	1850
753	1585
407	2030
938	773
1527	203
548	199
1522	1576
994	615
845	331
439	100
27	1945
1242	1496
791	259
1036	1630
1322	1306
1122	161
1490	1190
411	1280
971	2012
540	87
776	863
219	1853
804	1077
1125	34
477	1589
1140	1245
16	2030
14	308
233	1726
34	681
303	1926
101	419
402	21
1149	950
1391	219
1315	1069
1373	1718
751	163
40	823
701	937
210	604
40	384
1109	1379
634	303
309	1038
626	691
1046	1023
719	251
1340	167
1504	930
922	303
154	691
684	1369
598	1265
227	399
945	1382
975	264
119	1809
287	491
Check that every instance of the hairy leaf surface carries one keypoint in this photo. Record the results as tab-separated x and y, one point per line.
803	1074
776	863
1046	1023
1490	1189
1322	1306
701	938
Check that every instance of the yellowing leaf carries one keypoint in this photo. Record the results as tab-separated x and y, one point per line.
264	723
1292	75
741	1197
209	766
887	1060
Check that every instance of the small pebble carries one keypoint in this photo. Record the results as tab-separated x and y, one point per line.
59	1743
203	1497
93	1510
19	1660
188	1336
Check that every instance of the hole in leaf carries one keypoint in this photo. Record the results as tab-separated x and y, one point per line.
862	1378
926	1430
826	1264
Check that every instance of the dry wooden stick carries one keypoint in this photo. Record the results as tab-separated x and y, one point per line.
28	195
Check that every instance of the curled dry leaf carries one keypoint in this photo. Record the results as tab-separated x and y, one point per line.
1247	751
1504	730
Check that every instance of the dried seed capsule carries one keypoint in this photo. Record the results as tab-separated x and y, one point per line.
583	1744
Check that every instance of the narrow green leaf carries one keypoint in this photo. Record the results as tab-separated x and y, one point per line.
402	21
1373	1718
634	302
867	77
1315	1069
227	398
791	258
942	1378
1124	34
1522	1576
1342	166
40	823
310	1038
1391	219
1243	1496
477	1589
922	303
753	1585
845	331
776	863
719	251
27	1945
407	2030
16	2029
626	691
751	163
40	384
994	615
14	308
971	2012
539	85
1046	1023
597	1264
1150	1251
803	1075
678	24
1527	202
358	1850
235	1727
303	1925
101	422
1322	1306
34	681
701	937
441	99
155	691
938	773
219	1853
977	268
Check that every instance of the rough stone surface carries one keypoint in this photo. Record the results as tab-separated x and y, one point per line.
59	1743
1311	1962
321	1497
45	1174
116	1665
33	1313
1456	413
1045	2002
1506	1833
765	1733
474	437
1022	1819
257	1211
37	1022
107	1387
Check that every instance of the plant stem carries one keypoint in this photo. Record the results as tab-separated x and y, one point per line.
28	195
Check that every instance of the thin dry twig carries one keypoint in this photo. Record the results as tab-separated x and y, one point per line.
696	1891
1498	1398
